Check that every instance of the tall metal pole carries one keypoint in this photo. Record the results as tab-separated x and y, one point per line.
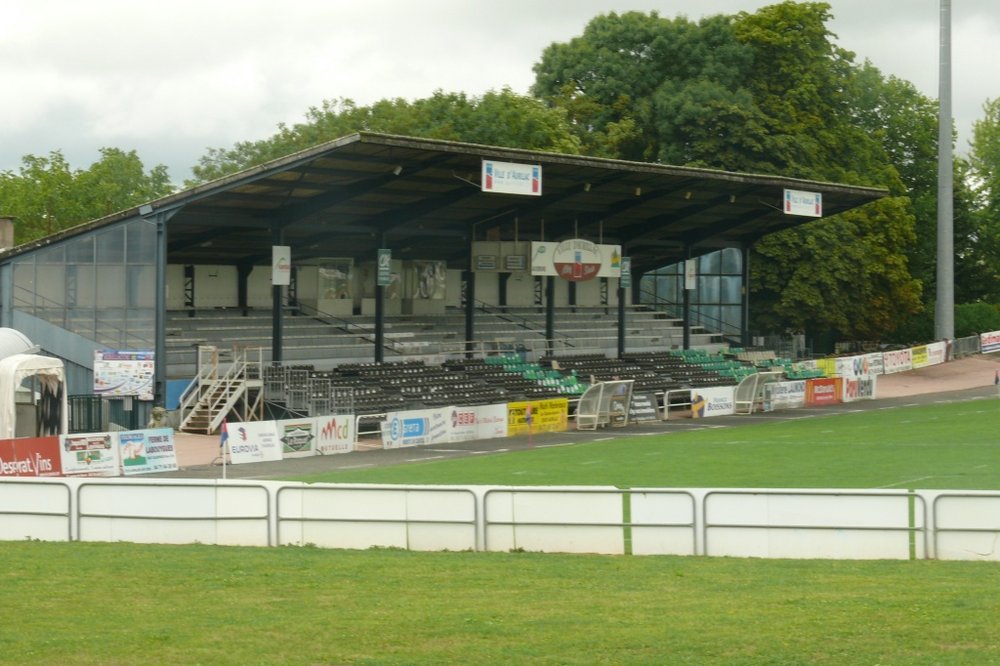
944	311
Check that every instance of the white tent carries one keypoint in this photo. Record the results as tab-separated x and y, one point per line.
13	342
15	369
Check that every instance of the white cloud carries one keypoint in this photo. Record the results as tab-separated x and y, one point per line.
172	79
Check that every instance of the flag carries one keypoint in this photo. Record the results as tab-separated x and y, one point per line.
223	436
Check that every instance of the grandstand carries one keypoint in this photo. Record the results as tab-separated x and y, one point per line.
375	249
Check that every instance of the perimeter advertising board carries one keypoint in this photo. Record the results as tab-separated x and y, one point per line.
784	395
147	451
255	441
334	434
989	342
643	407
859	388
480	422
899	360
859	366
825	391
30	457
90	454
715	401
537	416
416	428
298	437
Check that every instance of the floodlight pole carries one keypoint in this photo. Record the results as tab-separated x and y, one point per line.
944	310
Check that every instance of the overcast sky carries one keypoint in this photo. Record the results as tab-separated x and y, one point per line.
171	79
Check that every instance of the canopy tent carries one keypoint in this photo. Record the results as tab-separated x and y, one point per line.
13	342
51	381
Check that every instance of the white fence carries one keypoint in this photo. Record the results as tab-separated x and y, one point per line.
785	523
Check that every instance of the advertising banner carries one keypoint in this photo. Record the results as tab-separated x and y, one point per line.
799	202
825	391
715	401
255	441
334	434
463	424
512	178
643	407
899	360
93	454
544	416
989	342
416	428
281	265
937	352
491	421
576	260
124	373
859	388
919	357
297	437
30	456
784	395
147	451
859	366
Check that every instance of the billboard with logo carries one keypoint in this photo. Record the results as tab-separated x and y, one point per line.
416	428
147	451
30	456
298	437
859	388
90	454
713	401
537	416
334	434
825	391
255	441
784	395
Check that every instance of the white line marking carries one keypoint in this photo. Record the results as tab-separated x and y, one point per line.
423	459
922	478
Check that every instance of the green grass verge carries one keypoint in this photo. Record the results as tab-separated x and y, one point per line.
92	603
950	445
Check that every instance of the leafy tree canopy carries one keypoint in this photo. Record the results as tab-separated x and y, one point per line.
46	195
764	92
501	118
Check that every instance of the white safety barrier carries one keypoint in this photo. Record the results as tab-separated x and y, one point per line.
755	522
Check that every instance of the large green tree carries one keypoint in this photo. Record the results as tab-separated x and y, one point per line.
46	195
501	118
985	171
767	92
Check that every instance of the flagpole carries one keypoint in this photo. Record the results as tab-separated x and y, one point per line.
223	442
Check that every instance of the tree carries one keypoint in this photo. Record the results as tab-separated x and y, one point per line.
767	92
47	196
501	118
984	166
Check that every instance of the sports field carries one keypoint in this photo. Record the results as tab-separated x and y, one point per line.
89	603
950	445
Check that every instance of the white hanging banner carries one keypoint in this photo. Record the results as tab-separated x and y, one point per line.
808	204
690	274
511	178
281	265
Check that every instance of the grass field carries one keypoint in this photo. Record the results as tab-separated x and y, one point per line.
951	445
117	603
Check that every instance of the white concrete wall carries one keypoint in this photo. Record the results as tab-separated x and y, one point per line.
792	523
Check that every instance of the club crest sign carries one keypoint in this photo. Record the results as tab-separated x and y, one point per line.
575	260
